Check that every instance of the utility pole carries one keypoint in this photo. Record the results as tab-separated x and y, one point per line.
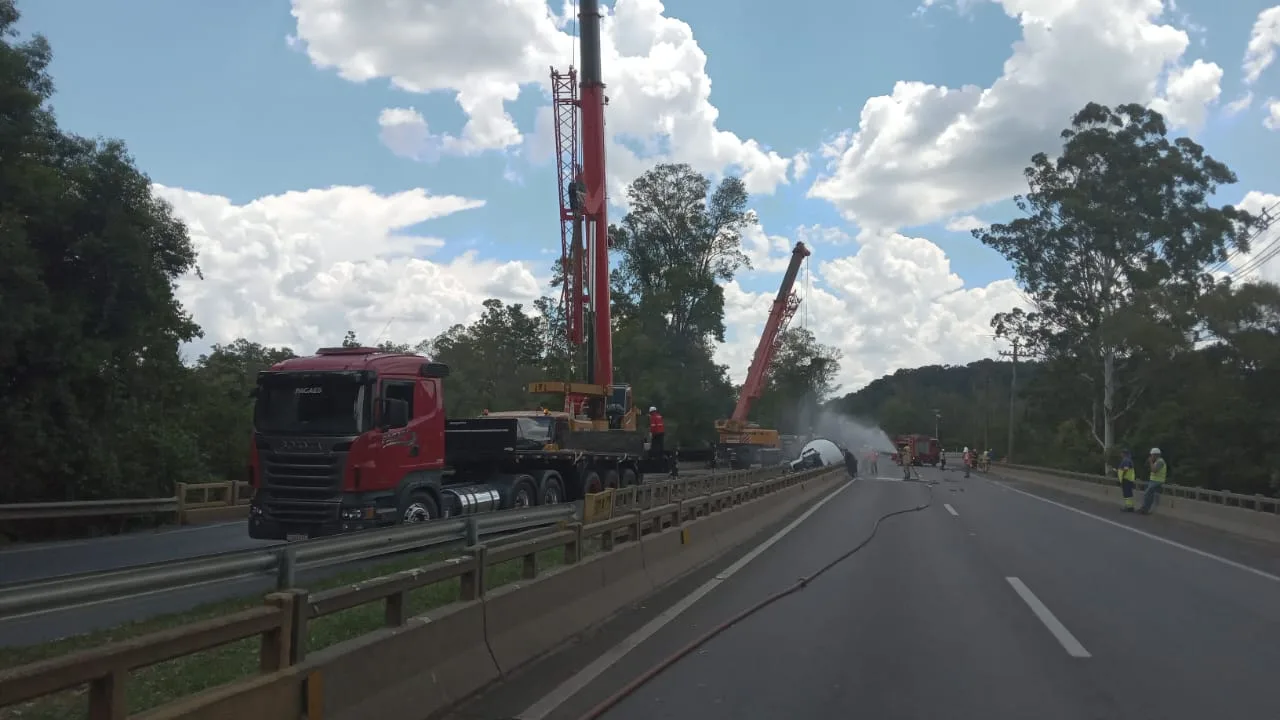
1013	394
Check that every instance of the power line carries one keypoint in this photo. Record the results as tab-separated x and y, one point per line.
1267	218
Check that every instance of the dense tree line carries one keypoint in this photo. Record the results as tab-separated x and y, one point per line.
98	403
1140	334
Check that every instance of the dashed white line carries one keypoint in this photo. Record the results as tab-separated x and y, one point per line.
567	689
951	509
1143	533
1060	631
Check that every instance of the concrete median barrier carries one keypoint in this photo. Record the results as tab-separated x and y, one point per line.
421	665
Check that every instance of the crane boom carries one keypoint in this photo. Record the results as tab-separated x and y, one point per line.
579	100
784	307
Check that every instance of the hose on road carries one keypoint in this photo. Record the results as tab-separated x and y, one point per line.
644	678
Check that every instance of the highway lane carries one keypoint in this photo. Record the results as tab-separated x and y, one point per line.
989	604
25	563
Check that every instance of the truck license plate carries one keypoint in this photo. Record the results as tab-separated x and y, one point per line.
295	537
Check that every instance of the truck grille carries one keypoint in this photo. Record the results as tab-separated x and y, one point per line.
302	480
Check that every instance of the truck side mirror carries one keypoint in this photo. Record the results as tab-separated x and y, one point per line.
395	414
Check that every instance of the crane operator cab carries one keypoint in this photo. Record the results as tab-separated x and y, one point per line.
619	408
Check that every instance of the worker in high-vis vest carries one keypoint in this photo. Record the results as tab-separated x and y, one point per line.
1127	479
1155	483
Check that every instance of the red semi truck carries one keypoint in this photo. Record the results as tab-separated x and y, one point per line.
926	449
353	438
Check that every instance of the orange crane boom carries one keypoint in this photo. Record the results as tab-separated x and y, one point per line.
784	308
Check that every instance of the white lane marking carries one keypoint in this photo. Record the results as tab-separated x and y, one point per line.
1143	533
1060	631
567	689
951	509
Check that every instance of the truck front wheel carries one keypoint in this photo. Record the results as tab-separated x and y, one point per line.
611	479
420	507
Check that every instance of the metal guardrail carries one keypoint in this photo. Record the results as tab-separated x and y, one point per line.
211	495
1257	503
35	597
112	585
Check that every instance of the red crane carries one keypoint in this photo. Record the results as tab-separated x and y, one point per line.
784	308
579	100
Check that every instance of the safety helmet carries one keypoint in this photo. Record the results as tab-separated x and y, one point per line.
653	409
1155	451
966	448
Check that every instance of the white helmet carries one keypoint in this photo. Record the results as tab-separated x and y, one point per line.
1155	451
653	409
966	448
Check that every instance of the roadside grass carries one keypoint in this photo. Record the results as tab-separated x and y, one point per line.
165	682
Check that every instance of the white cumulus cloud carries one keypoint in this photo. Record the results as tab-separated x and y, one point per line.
486	52
895	303
926	152
302	268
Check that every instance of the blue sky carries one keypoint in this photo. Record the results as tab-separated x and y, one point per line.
211	99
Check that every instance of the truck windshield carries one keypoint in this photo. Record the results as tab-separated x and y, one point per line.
312	404
922	447
535	432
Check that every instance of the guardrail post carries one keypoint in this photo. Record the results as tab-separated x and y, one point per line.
679	513
473	531
299	615
233	493
285	576
181	491
276	649
107	699
573	548
473	581
637	530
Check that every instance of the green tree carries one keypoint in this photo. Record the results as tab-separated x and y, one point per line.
801	378
222	380
1113	249
676	244
90	334
492	360
674	247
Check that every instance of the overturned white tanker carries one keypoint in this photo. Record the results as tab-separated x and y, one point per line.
817	453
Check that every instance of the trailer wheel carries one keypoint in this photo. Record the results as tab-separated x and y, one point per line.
552	489
611	479
524	492
420	507
629	477
591	482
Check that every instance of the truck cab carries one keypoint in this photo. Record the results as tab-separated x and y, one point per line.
346	439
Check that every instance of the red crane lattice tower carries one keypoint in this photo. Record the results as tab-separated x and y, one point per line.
573	255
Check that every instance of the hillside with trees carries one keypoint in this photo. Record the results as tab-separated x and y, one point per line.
1143	334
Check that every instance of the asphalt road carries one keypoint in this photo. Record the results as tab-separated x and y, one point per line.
25	563
990	603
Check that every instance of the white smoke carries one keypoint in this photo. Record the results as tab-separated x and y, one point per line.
851	433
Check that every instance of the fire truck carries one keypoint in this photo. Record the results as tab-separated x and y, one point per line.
927	450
